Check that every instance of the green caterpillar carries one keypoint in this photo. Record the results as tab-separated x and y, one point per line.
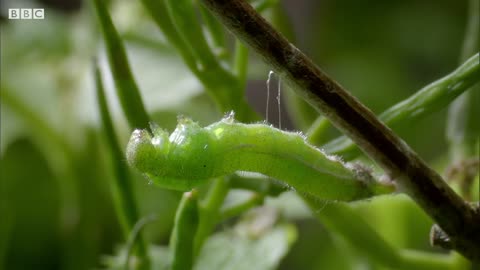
191	155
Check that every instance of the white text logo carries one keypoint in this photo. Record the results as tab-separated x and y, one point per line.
26	13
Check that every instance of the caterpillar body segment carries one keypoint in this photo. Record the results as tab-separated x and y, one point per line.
192	155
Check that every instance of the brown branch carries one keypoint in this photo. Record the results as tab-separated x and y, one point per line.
411	174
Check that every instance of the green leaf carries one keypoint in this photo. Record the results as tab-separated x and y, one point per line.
231	250
127	89
28	237
226	250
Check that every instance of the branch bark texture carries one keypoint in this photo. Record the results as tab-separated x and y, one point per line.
457	218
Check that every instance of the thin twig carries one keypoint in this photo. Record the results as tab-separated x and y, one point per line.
411	173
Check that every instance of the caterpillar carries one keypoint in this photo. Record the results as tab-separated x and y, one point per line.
192	155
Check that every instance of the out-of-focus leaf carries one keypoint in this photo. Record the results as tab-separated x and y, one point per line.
159	255
35	38
230	250
39	69
30	203
290	205
164	79
396	227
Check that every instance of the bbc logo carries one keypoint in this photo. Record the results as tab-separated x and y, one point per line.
26	13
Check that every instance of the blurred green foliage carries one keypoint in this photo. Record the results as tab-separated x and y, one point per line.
56	198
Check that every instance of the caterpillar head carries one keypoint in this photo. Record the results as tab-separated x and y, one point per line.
179	161
145	152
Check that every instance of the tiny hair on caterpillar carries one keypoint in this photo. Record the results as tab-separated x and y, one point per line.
192	155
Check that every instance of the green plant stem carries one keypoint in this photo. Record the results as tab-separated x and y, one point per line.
135	236
127	89
184	231
412	259
302	114
209	210
124	198
430	98
221	85
338	217
241	63
254	200
472	35
262	185
214	28
413	176
159	13
342	219
227	93
147	42
316	132
462	130
189	28
335	219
